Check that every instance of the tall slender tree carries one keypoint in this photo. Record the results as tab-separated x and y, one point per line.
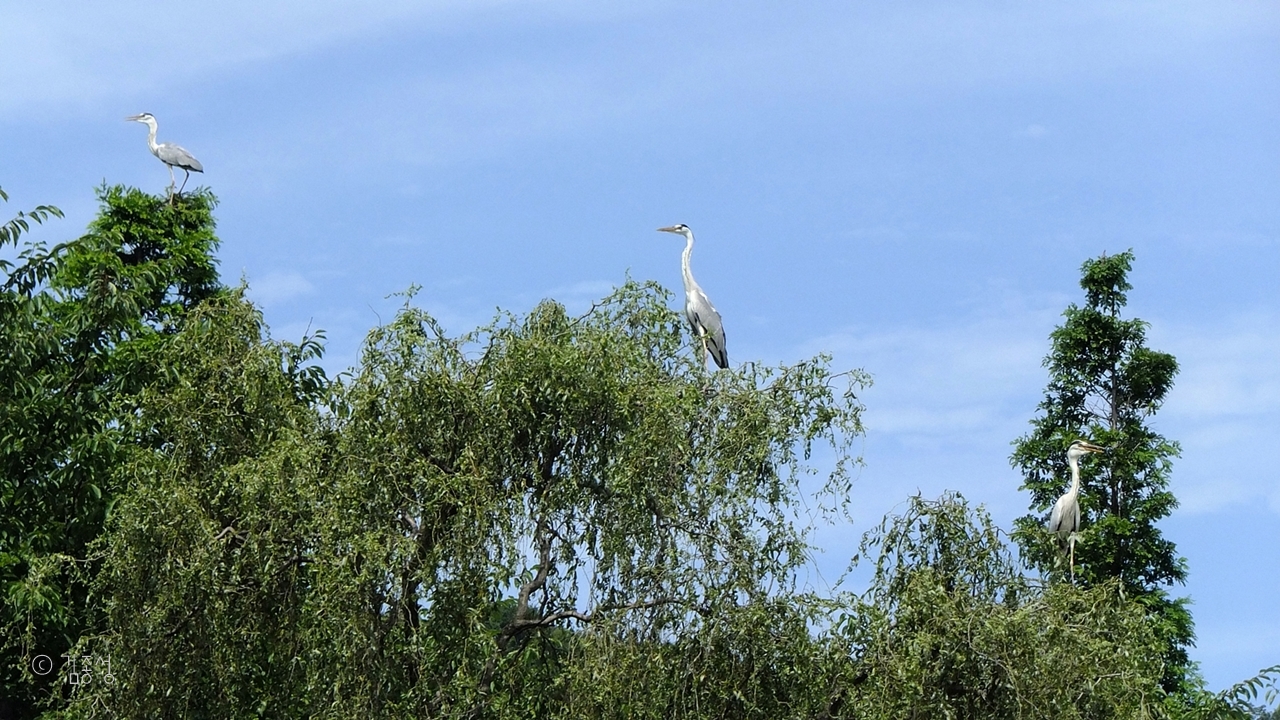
1105	385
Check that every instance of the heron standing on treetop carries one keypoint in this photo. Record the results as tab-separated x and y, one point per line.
1064	521
698	310
169	154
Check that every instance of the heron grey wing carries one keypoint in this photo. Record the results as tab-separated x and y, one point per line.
708	323
715	342
1055	517
1065	518
176	156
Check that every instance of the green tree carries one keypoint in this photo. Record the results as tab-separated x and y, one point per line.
1105	384
951	628
502	524
550	516
79	324
18	317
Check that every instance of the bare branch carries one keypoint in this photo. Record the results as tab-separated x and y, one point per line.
523	624
539	579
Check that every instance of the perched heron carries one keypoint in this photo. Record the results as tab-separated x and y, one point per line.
169	154
698	310
1064	521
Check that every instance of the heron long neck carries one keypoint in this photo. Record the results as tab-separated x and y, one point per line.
689	284
151	137
1075	476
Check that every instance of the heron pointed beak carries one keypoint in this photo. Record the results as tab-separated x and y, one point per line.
1095	448
671	229
134	118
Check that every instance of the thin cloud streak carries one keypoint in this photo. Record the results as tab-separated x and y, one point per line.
78	53
972	387
279	287
427	115
1225	404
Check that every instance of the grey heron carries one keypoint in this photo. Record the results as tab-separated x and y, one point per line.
698	310
171	155
1064	521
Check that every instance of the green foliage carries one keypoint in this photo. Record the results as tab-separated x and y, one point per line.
1234	703
1104	385
79	324
950	628
548	517
204	559
477	527
755	660
143	264
12	230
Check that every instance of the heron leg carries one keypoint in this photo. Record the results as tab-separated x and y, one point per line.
1071	542
173	181
185	178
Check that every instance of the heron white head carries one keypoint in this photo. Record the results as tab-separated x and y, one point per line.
680	229
1080	448
146	118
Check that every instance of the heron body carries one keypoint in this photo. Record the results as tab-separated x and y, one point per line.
703	317
173	156
1064	520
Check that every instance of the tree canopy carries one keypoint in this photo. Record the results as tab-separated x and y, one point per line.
80	324
550	516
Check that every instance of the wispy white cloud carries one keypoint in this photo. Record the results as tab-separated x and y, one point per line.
86	52
277	287
953	380
949	397
80	52
947	400
877	50
864	55
1228	370
957	394
586	288
576	297
1223	408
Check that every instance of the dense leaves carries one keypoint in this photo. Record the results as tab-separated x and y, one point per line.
547	517
79	324
950	628
474	514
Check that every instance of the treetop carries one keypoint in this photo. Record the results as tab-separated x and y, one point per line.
1104	280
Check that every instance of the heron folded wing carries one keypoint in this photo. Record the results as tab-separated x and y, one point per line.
1055	518
709	326
718	353
171	154
715	343
1065	517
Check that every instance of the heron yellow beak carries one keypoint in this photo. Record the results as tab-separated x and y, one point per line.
1093	448
671	229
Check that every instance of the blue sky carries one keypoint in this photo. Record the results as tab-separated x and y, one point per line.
909	186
